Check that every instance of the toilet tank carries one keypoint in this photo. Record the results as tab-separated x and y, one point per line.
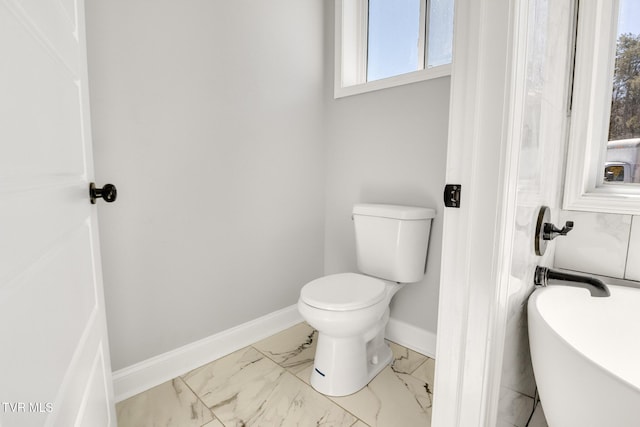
392	240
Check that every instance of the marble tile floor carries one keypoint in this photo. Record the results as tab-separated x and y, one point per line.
267	384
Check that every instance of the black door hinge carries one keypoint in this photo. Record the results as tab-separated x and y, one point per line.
452	194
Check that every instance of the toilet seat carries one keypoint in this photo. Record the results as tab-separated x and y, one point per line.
343	292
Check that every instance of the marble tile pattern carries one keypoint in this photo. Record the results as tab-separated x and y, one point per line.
597	244
538	419
267	384
632	271
171	404
518	412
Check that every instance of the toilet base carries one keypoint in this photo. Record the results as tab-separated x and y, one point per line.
343	366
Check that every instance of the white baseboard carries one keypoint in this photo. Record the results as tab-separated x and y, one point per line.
149	373
412	337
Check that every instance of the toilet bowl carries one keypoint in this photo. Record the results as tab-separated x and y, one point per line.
351	310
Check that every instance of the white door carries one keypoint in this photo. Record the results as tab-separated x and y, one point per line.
54	355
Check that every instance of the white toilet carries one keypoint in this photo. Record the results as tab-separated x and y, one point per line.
350	310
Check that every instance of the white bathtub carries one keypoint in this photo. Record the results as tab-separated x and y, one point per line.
586	356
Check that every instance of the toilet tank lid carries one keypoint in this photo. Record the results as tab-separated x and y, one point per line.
393	211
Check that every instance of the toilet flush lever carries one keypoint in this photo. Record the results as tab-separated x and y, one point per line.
551	231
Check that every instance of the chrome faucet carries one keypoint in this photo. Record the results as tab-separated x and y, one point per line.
545	276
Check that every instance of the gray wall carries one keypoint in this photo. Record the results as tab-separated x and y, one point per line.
217	122
207	115
387	146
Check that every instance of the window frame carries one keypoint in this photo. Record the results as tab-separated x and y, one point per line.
585	189
351	36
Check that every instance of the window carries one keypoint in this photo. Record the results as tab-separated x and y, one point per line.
603	164
622	161
385	43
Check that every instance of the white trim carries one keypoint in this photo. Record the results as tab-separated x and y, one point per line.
350	46
149	373
595	58
513	108
598	200
485	104
422	35
412	337
402	79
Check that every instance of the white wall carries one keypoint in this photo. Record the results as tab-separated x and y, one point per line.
387	146
208	117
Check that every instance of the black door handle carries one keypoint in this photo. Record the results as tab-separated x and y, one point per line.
109	193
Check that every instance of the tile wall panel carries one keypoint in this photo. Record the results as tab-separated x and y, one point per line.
597	244
632	271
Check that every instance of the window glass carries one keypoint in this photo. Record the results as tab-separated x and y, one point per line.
440	39
393	38
622	162
383	43
625	105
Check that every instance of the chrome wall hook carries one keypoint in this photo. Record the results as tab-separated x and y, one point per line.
550	231
546	231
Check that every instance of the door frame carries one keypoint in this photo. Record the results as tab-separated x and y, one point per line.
487	89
